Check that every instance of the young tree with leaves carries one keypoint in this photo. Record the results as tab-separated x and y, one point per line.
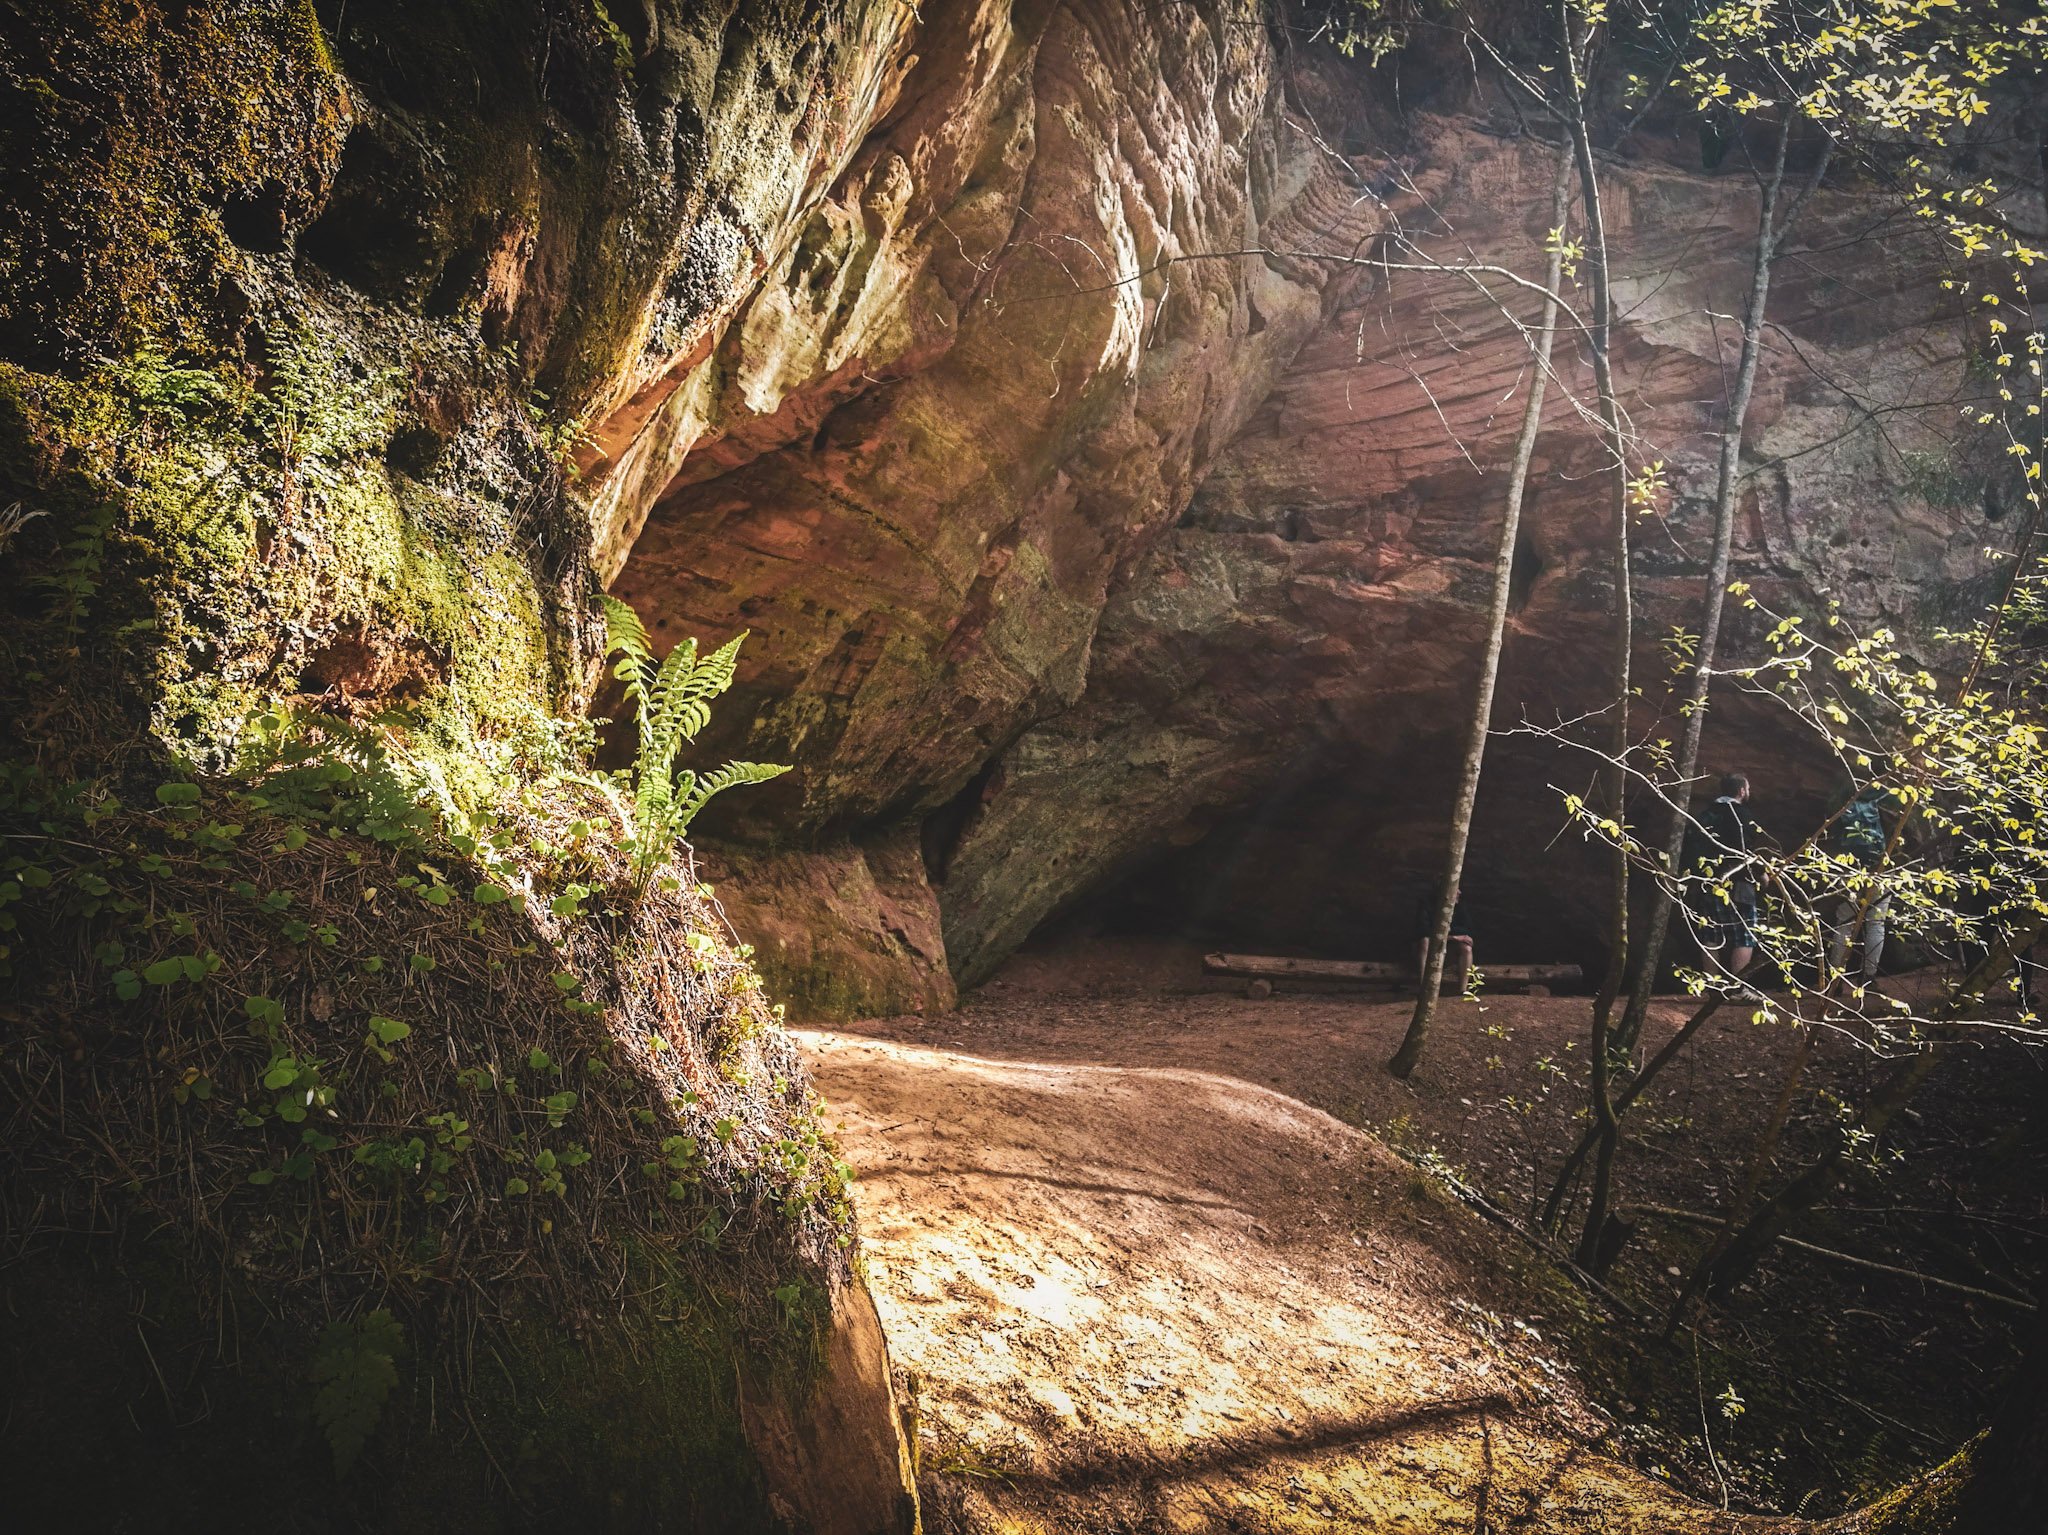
1869	73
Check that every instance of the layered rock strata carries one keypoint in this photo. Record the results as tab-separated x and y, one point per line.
1071	532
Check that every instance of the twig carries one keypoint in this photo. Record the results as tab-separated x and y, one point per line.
1706	1432
1694	1218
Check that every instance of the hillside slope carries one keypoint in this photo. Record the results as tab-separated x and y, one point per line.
1158	1298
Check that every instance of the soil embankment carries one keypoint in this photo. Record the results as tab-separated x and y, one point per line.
1137	1278
1154	1297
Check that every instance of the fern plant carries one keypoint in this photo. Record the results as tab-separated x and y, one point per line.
671	699
356	1369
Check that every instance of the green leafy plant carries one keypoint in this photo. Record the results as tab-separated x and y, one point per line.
325	414
356	1369
671	699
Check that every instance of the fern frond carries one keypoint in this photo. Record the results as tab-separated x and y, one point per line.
624	634
730	776
653	790
626	637
669	699
356	1371
707	679
661	733
673	703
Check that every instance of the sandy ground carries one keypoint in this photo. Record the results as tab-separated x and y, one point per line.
1137	1277
1160	1294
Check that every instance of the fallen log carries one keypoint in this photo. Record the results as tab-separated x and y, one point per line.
1281	967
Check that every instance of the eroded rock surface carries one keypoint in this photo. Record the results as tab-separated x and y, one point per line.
1305	638
1007	367
1078	547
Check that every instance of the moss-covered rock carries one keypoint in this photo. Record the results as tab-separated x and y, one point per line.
343	1072
465	1188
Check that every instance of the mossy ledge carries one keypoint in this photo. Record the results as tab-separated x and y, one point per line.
275	1084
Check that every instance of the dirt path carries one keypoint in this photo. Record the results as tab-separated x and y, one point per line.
1153	1295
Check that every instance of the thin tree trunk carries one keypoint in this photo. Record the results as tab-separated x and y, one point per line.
1770	235
1606	1141
1721	1273
1410	1051
1553	1204
1615	773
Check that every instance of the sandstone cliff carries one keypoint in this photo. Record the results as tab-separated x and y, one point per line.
1103	525
1100	516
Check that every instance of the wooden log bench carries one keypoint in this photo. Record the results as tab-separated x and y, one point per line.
1264	971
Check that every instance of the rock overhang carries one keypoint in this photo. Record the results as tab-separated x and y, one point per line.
1053	570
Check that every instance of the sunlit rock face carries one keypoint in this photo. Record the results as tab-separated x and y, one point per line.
1083	573
1292	665
924	451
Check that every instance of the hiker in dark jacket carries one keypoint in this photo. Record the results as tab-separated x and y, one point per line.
1858	833
1720	889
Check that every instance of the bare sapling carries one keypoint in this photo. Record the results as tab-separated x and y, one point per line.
1477	723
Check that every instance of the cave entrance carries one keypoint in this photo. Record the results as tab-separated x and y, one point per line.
1331	859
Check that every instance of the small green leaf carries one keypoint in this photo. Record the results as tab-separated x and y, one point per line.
517	1186
164	971
263	1175
389	1031
490	895
177	794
